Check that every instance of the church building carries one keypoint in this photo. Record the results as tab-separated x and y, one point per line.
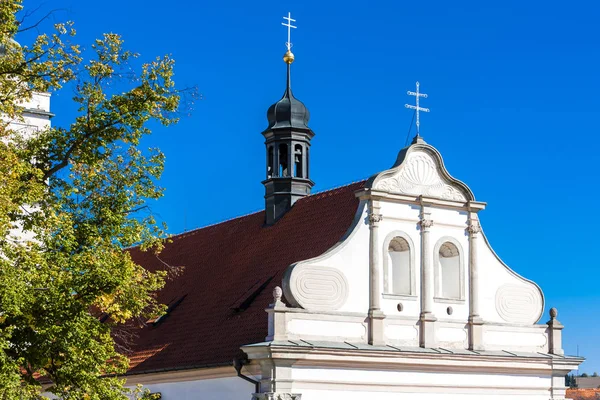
382	289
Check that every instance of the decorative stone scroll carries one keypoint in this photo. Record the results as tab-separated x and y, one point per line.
518	304
419	175
318	287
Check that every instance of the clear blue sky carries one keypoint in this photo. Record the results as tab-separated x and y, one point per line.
513	91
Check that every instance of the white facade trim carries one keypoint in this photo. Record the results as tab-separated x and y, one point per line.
438	273
387	285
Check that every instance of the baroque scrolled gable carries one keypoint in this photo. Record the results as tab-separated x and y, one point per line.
420	171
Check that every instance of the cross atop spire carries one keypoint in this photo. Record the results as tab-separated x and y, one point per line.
417	94
289	25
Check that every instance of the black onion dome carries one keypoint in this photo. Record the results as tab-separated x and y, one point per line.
288	112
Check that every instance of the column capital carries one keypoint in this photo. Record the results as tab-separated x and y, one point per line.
276	396
375	218
474	227
426	223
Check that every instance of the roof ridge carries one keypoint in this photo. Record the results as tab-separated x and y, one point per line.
192	231
213	224
337	187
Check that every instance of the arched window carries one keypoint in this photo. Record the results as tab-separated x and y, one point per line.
399	277
283	160
271	162
449	272
399	266
298	161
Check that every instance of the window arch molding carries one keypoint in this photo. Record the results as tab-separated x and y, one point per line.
438	272
387	267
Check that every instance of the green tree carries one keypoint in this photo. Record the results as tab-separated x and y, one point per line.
570	381
80	194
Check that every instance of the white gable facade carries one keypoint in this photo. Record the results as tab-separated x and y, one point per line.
412	303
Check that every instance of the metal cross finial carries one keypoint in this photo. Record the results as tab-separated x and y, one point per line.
289	26
417	94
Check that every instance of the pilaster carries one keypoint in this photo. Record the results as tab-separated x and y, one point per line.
376	316
475	320
558	390
427	319
555	334
277	326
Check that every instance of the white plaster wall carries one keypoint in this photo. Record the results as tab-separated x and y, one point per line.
339	328
30	123
450	225
452	335
351	258
402	331
400	220
39	101
526	339
33	121
231	388
339	383
442	394
505	296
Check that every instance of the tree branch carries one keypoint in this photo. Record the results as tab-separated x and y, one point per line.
30	13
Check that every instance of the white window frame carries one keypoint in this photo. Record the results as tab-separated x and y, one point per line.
387	273
438	273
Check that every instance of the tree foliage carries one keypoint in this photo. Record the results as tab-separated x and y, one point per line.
71	199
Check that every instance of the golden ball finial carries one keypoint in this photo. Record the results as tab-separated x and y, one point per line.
288	57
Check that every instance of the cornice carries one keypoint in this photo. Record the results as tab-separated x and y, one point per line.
374	194
181	376
434	360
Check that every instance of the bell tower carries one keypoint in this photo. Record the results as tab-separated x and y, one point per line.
287	141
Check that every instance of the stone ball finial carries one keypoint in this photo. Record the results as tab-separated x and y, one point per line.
553	312
277	293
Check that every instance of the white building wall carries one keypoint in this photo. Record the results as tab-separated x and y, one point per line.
443	394
230	388
36	115
342	383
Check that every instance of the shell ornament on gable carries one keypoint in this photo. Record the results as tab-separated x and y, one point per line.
419	175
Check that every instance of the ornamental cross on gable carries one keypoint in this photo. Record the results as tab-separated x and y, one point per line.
417	94
289	29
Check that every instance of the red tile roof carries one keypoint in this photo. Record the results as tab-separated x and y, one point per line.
583	394
230	271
